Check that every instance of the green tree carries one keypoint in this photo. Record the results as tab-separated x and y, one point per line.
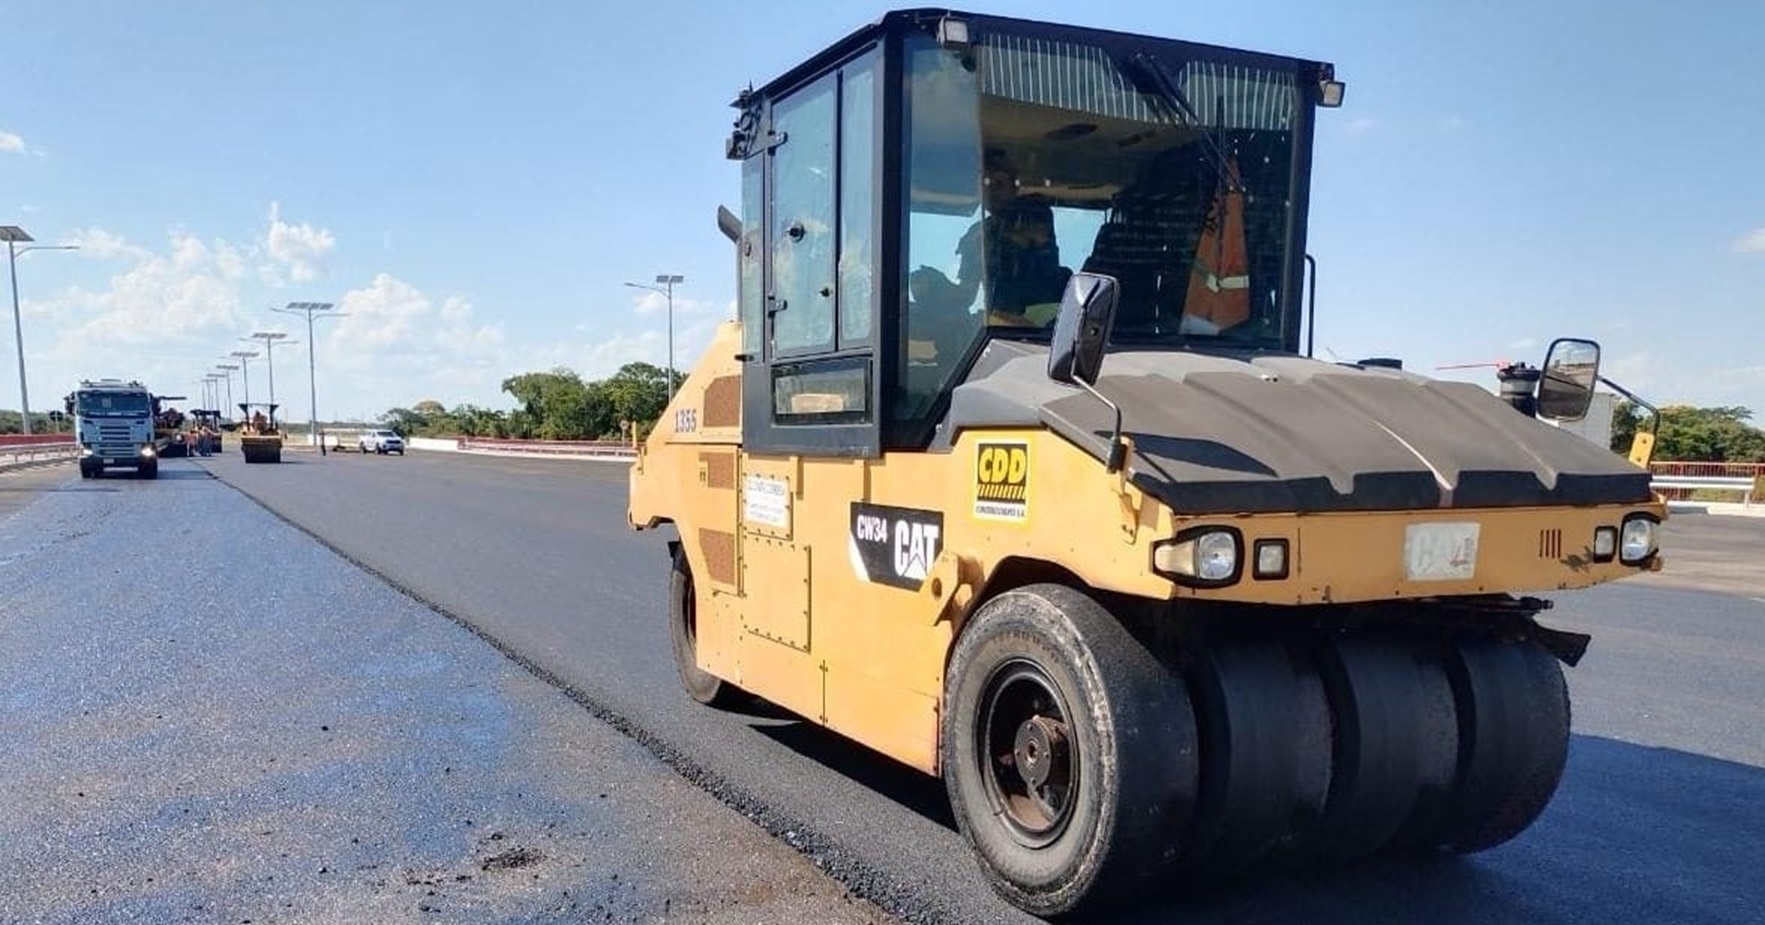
560	405
637	392
1690	434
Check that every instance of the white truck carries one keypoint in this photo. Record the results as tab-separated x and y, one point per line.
113	422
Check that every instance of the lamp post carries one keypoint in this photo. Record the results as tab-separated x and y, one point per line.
14	236
270	339
311	310
666	288
245	372
226	369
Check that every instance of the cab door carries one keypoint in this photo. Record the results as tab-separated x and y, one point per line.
810	391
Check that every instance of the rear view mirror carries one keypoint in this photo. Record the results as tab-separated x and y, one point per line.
1081	331
1571	368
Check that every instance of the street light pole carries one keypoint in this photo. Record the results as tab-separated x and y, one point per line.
13	236
310	309
667	281
270	339
226	369
245	373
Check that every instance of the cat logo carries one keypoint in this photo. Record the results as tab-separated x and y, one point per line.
1002	480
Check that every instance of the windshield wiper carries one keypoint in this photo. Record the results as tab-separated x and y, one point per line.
1151	68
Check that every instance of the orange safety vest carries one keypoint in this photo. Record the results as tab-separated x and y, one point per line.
1219	283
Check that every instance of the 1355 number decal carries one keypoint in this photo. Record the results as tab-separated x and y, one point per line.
686	420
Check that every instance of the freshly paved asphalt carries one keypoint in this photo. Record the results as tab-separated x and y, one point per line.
1657	820
205	716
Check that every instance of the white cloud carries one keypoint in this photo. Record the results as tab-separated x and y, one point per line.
1753	242
296	252
655	303
191	290
1362	124
11	144
103	244
394	345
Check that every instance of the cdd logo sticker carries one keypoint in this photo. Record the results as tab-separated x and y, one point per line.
1002	480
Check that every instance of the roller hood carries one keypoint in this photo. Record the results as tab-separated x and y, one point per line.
1217	434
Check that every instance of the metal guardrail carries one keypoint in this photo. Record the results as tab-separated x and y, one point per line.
27	454
600	449
1673	485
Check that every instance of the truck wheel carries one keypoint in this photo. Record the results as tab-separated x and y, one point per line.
701	685
150	472
1069	751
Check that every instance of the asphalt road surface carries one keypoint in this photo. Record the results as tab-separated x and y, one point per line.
1657	819
206	716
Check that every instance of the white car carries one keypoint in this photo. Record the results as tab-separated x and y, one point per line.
382	442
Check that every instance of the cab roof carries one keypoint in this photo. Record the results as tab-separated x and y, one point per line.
980	23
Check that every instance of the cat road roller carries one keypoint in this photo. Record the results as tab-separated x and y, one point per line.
1013	468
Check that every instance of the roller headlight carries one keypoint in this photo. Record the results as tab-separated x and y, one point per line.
1271	559
1204	556
1637	542
1605	543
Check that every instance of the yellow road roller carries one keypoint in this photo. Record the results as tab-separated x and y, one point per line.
1015	467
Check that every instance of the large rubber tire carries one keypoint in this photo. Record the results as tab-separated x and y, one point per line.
1513	708
149	471
1265	747
701	685
1395	746
1068	751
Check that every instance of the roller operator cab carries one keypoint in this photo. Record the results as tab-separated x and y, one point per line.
1013	468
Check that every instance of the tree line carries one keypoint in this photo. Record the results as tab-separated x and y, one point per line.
554	405
1688	434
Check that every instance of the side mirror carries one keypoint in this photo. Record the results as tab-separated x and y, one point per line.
1081	331
1565	389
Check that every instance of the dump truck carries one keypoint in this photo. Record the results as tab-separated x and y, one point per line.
1014	467
114	422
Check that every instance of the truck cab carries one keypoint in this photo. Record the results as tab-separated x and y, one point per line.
114	424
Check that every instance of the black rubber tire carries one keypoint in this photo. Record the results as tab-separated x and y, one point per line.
1513	708
1131	774
1265	755
701	685
149	471
1396	746
85	472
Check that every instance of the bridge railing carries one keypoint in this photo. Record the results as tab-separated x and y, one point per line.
29	450
1676	481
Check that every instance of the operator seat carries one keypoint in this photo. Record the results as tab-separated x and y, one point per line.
1143	247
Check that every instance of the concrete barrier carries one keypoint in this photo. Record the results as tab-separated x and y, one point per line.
599	450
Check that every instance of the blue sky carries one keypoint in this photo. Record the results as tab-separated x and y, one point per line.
473	182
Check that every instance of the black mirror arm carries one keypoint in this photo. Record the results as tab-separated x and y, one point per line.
1654	412
1118	450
